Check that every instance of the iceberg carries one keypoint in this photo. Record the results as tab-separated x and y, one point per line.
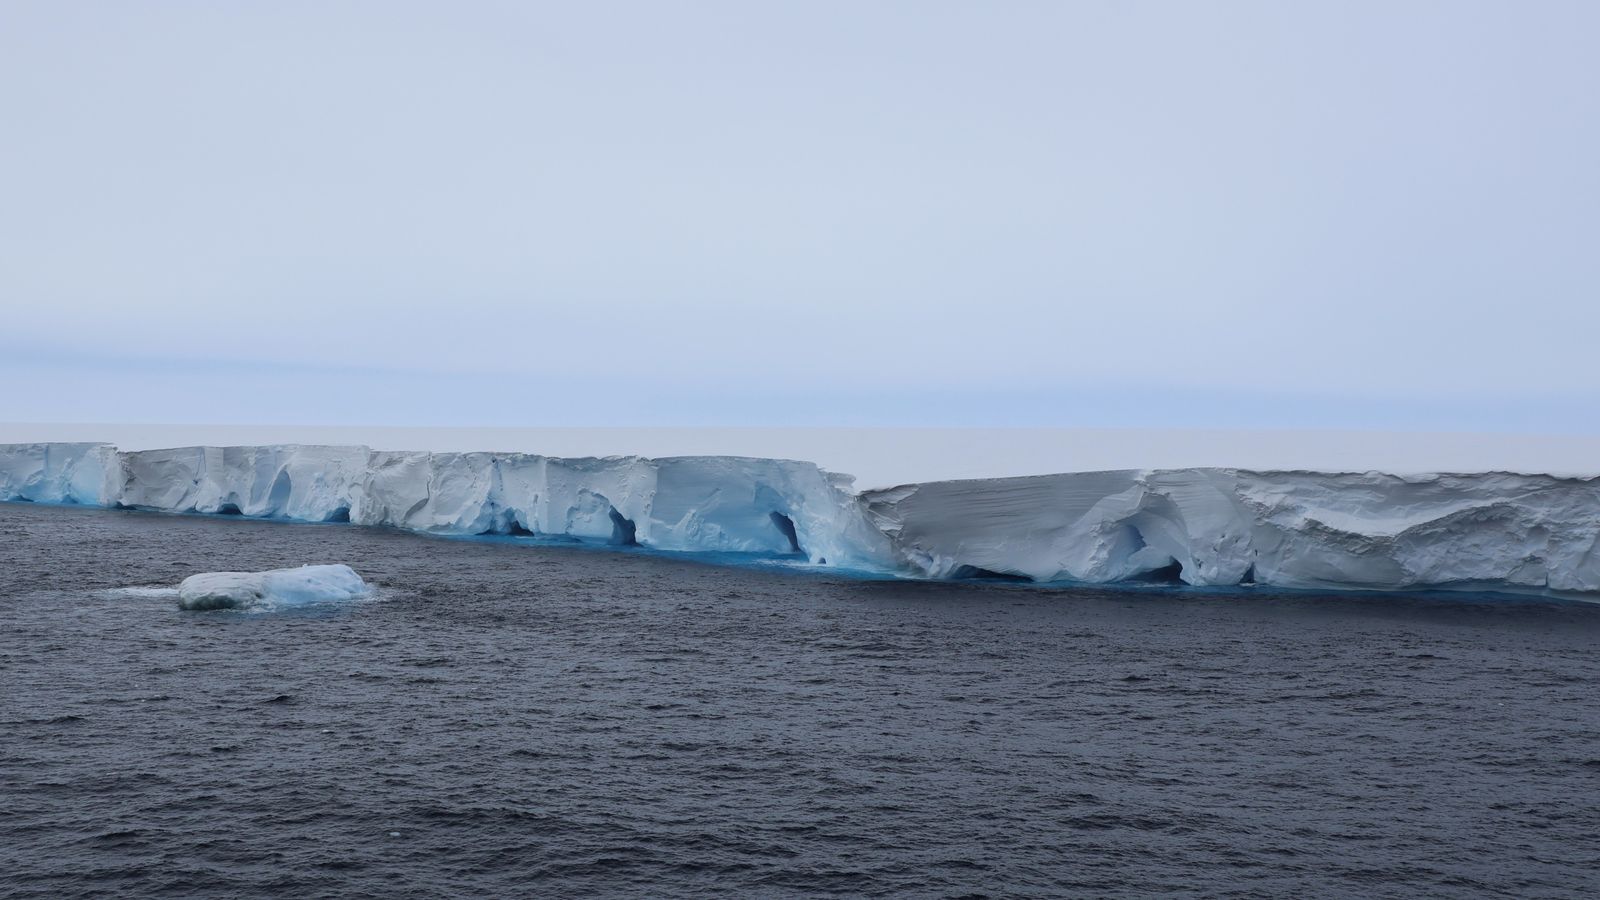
1224	527
312	484
60	473
691	503
273	588
1208	527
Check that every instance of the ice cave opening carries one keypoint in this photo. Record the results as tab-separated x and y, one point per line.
786	525
1171	573
623	531
505	522
974	573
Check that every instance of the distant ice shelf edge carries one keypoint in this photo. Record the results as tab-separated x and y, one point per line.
1493	531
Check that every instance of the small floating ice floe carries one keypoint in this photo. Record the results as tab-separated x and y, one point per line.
277	587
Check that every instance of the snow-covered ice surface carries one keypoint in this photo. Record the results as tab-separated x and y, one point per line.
272	589
1212	527
884	457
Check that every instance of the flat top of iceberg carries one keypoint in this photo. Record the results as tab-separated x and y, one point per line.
273	588
881	457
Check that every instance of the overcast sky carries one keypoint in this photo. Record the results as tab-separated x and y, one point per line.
1335	214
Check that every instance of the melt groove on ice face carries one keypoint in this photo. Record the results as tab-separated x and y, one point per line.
1216	527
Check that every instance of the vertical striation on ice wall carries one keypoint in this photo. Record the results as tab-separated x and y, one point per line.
1213	527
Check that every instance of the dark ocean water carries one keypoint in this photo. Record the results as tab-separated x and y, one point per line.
508	720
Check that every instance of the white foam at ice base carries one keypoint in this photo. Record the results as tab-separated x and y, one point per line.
272	588
138	593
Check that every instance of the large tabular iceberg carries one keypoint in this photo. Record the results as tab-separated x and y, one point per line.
1218	527
1230	527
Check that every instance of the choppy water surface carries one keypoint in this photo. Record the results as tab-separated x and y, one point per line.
507	719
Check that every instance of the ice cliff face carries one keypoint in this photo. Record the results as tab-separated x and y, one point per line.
1229	527
1529	533
685	503
59	473
314	484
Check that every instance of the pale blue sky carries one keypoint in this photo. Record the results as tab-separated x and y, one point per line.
1167	214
